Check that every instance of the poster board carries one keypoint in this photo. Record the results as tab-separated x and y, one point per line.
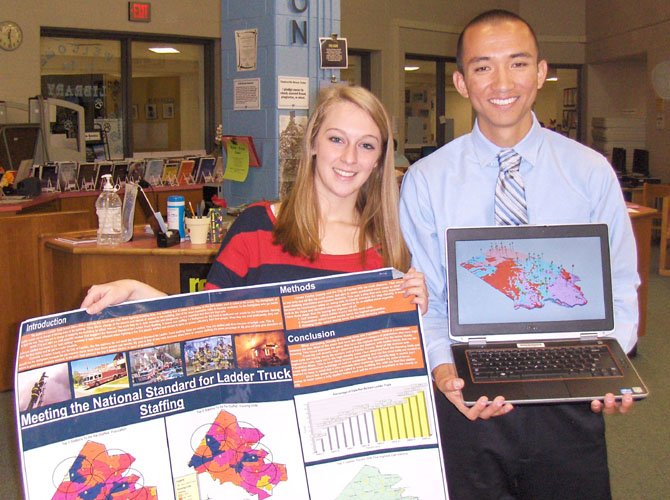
311	388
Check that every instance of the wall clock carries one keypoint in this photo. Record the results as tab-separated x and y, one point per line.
11	35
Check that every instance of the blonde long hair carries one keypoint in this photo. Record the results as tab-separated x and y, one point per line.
297	228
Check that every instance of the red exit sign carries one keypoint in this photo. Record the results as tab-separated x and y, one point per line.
139	11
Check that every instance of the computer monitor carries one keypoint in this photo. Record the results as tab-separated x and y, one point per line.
641	162
18	143
619	160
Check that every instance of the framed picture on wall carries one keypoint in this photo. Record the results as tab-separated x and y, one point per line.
570	97
168	110
150	111
569	119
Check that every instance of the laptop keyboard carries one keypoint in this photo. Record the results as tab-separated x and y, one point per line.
573	362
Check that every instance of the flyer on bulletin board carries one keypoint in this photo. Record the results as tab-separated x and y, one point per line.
307	389
254	160
237	161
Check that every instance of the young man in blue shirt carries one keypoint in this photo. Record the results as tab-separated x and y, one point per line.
531	451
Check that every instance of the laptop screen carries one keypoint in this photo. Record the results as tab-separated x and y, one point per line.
510	280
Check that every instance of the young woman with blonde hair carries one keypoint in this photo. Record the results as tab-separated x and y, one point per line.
340	216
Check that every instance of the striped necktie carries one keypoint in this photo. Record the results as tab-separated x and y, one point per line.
510	201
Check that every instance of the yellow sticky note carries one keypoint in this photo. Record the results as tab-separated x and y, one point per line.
237	162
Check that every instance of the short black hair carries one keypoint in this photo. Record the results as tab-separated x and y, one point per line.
491	16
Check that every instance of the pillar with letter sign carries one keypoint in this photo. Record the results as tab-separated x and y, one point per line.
271	75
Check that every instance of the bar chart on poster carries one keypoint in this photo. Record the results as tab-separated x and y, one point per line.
368	417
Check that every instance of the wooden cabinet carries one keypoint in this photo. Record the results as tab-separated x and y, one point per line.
20	289
75	268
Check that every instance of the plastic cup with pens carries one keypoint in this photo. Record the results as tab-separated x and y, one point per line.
197	226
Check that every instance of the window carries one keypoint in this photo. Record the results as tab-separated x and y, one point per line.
556	105
86	72
144	101
166	91
419	104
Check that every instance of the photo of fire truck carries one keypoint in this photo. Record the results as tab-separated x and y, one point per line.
105	372
102	375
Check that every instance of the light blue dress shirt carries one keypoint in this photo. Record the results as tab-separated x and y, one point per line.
566	182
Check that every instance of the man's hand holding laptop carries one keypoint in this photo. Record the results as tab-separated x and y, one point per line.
611	406
447	381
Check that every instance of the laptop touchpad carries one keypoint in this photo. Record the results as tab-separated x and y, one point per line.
546	390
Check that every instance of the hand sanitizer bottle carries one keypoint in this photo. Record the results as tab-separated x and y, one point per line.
108	207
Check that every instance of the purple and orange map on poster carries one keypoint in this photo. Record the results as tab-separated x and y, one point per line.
230	453
98	474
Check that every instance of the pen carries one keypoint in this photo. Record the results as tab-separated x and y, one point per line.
191	207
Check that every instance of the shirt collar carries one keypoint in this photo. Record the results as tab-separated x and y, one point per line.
486	152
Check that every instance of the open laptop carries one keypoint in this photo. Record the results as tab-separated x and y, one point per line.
516	293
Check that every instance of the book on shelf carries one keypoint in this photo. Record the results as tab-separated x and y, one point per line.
67	175
120	174
86	176
49	177
170	171
196	165
205	171
104	168
136	170
153	172
186	171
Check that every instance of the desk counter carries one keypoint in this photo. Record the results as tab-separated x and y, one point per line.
20	290
48	202
642	218
69	270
